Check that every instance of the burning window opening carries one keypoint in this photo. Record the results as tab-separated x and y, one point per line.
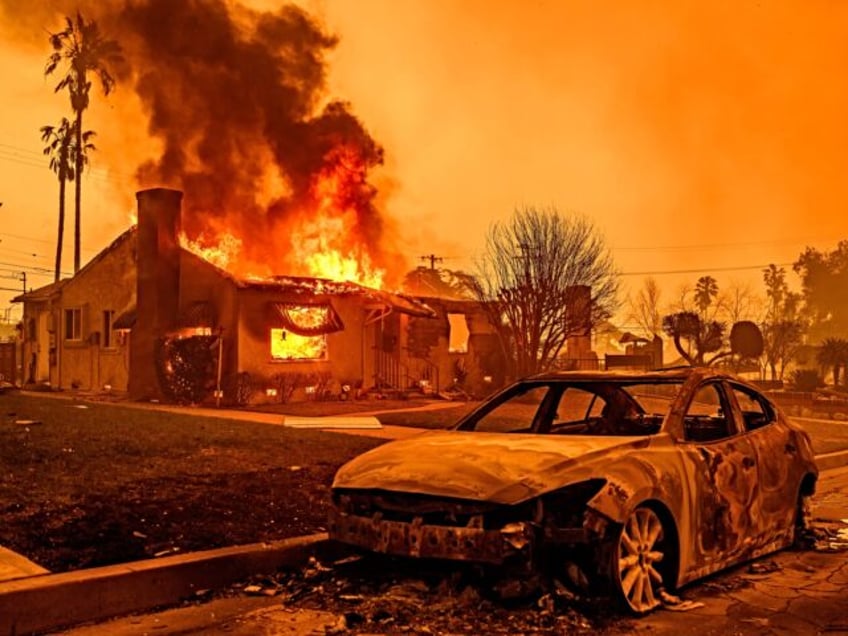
286	345
458	333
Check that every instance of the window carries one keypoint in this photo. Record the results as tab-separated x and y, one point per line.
756	412
514	415
302	334
458	333
108	335
73	324
706	418
287	345
576	405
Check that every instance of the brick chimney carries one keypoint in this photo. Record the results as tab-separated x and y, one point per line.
157	287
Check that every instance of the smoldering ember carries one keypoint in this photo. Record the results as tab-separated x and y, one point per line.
275	399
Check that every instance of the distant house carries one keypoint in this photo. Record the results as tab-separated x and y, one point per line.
109	327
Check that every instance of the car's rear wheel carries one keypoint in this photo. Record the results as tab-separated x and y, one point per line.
637	556
802	536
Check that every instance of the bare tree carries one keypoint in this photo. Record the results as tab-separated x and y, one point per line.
644	308
740	302
530	280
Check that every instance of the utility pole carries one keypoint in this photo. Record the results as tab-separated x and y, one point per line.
433	260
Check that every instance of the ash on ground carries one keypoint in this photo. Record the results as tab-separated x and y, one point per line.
376	594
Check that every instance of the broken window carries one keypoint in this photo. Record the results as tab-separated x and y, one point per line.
286	345
458	333
73	324
303	331
515	415
755	411
706	417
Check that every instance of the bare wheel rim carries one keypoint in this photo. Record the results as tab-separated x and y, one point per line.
639	551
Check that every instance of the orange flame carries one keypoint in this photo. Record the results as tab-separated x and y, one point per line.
328	240
222	254
286	345
324	242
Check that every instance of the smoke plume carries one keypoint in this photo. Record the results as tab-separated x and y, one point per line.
237	98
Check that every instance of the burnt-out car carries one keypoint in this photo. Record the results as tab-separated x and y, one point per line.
636	482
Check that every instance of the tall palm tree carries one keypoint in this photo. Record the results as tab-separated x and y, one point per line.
706	289
61	149
59	140
86	51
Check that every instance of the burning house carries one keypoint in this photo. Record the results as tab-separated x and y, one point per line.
115	323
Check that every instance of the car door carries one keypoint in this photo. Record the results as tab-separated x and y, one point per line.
723	481
777	451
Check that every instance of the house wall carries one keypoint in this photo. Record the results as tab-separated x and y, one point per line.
200	282
344	363
38	339
107	284
427	348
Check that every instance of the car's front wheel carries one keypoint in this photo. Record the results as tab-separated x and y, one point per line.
637	556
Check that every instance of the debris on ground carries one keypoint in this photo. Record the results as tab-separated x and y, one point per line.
377	594
677	604
763	567
829	537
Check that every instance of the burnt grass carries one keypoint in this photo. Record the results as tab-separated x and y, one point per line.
91	484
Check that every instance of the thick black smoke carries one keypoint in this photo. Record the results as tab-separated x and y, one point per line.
228	90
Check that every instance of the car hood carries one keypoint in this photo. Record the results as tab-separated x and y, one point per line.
496	467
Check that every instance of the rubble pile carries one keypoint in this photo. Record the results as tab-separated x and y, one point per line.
382	595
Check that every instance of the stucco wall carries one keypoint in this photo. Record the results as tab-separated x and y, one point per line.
344	361
107	284
480	361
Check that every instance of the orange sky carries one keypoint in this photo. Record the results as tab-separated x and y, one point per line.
697	136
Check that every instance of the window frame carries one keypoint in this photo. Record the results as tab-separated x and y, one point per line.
767	407
109	339
725	404
326	348
75	324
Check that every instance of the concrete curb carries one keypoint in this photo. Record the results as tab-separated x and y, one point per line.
52	601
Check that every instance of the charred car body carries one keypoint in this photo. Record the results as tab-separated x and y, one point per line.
641	481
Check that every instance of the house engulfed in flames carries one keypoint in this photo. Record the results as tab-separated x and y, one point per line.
124	321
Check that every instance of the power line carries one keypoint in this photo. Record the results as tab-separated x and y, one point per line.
703	270
786	241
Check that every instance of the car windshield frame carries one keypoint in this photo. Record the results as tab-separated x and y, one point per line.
613	409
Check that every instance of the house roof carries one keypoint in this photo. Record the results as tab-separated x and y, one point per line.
42	293
324	286
287	284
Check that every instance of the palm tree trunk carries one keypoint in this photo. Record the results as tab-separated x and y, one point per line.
77	190
61	231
